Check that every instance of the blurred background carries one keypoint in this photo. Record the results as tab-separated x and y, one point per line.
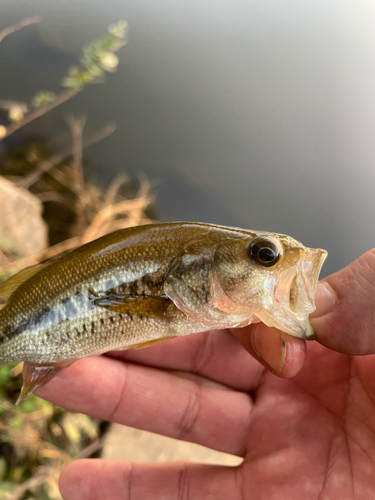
253	114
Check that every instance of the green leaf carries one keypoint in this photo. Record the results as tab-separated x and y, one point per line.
98	58
17	474
5	374
30	404
16	423
5	488
118	29
3	468
43	98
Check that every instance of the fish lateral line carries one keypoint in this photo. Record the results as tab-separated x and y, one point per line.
146	284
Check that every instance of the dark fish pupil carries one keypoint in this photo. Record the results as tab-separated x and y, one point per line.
266	255
264	252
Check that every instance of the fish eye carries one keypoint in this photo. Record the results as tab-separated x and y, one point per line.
264	252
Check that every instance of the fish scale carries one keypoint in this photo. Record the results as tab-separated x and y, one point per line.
141	285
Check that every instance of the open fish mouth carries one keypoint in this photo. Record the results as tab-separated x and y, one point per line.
302	290
294	297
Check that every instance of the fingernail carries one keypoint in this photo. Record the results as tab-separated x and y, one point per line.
271	347
325	300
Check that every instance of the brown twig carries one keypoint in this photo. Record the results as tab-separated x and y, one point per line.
77	125
18	26
4	259
61	98
103	223
45	472
109	213
51	196
46	165
122	224
114	188
39	478
64	96
49	253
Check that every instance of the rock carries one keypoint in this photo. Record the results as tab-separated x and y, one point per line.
22	228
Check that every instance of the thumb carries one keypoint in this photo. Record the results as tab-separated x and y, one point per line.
344	319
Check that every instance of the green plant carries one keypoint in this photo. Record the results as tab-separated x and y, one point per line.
98	59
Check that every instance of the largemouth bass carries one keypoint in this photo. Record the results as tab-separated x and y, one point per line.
142	285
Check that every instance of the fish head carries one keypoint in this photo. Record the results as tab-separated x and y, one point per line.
271	277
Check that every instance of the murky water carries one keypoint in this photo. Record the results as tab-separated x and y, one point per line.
254	114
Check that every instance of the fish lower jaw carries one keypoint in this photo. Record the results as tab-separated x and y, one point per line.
289	323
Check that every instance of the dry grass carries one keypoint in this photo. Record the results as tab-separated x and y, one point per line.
42	438
15	27
37	438
98	212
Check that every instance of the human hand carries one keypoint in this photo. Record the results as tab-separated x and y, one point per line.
307	437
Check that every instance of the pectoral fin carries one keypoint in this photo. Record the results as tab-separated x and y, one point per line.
189	285
35	376
137	305
194	287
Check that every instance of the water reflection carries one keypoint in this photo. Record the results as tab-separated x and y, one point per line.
251	114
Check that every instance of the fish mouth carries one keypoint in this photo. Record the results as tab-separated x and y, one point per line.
302	289
294	298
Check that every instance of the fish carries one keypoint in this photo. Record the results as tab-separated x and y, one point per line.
142	285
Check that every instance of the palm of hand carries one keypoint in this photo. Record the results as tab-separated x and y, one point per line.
310	437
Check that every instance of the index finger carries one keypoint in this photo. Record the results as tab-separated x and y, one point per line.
344	319
155	400
280	353
215	354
